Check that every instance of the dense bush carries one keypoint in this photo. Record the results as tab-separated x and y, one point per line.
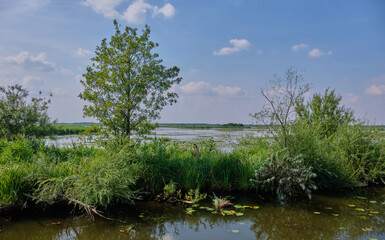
284	176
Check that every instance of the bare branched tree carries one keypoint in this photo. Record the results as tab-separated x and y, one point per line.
281	96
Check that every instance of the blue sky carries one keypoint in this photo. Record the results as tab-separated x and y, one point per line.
226	50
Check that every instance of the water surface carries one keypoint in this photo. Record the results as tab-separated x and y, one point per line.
330	216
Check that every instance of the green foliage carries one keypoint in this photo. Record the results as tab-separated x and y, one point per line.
317	152
285	176
12	183
18	150
127	86
341	150
170	190
213	170
95	181
324	113
361	150
194	196
20	117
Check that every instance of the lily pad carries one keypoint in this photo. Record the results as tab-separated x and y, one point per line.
351	205
235	231
374	212
241	223
328	208
255	207
238	206
373	201
342	228
335	214
360	209
317	213
141	216
210	209
239	214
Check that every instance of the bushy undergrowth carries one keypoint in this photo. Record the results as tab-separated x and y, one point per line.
353	156
118	170
284	176
212	170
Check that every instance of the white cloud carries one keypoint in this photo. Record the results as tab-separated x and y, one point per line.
104	7
204	88
351	97
196	88
316	53
167	10
227	91
82	52
135	13
238	45
26	60
299	47
375	90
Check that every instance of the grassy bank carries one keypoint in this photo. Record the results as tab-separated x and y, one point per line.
118	170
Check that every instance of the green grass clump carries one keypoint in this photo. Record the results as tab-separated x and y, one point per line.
212	170
12	183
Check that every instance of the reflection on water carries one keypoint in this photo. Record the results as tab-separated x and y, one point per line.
324	217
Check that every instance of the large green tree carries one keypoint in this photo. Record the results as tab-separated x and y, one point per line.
18	116
126	85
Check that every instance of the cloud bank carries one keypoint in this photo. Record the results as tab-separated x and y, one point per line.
135	13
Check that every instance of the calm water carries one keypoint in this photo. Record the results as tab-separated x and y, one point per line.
331	216
225	138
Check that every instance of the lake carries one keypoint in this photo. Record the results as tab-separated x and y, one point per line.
225	138
343	215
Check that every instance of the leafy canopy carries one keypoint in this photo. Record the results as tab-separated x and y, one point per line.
325	113
20	117
126	85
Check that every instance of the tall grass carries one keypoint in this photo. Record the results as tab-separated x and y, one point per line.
212	170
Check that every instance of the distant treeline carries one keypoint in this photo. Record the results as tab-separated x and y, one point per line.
69	128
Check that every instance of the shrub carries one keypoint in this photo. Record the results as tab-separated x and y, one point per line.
284	176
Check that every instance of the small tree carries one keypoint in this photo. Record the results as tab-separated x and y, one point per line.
17	116
325	113
126	85
281	98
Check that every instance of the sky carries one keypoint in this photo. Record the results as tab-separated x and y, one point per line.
227	51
